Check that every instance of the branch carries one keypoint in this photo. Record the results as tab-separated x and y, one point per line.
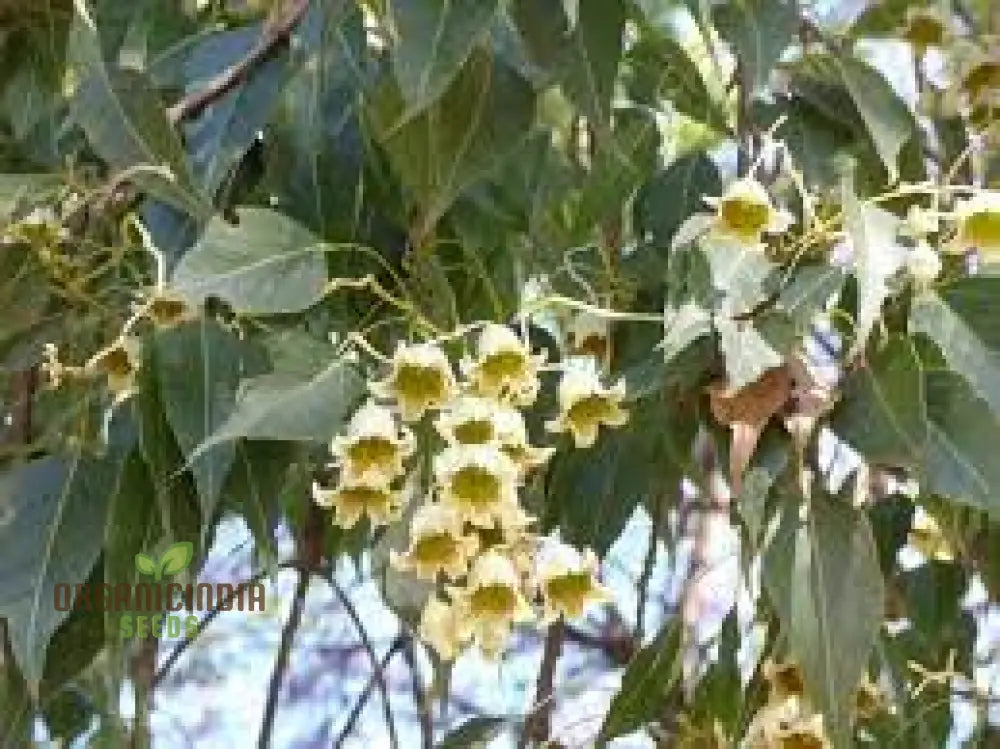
276	30
352	719
420	696
539	721
378	674
281	661
143	671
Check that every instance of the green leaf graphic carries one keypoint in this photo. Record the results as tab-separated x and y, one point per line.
176	558
145	564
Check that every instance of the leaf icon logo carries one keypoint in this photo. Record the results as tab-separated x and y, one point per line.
177	557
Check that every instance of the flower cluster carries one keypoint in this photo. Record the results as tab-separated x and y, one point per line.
787	719
468	531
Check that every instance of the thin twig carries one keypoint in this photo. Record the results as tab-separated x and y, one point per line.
420	697
366	642
277	29
647	571
355	713
539	723
281	661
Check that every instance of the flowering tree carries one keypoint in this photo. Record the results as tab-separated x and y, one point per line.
458	289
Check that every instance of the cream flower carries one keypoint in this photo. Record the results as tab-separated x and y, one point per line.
480	482
783	680
585	405
589	335
118	362
480	421
421	379
924	27
979	222
437	543
167	308
787	724
442	628
492	602
923	264
352	498
375	446
927	537
745	212
505	367
567	580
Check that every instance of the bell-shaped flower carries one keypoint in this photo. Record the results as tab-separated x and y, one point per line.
492	602
745	212
442	628
585	404
567	580
375	445
119	363
353	497
472	420
504	367
978	222
421	379
480	482
437	543
923	264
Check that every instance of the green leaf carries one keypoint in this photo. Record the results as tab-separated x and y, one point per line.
294	408
808	293
759	31
199	366
648	678
963	436
741	275
877	257
748	354
126	123
434	38
484	114
961	319
55	509
673	194
259	478
176	558
824	580
594	54
265	264
145	564
660	68
17	188
473	733
881	413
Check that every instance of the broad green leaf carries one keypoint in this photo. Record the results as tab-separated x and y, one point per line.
660	68
759	31
963	436
594	54
15	705
17	188
648	678
673	194
127	124
283	407
177	557
824	580
881	413
265	264
961	319
256	485
475	732
808	293
748	354
878	256
145	564
55	509
484	114
434	38
199	366
544	30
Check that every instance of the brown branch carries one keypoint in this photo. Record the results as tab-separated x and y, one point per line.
143	672
419	696
276	30
398	644
538	724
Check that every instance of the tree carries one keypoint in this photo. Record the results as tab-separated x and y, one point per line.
458	289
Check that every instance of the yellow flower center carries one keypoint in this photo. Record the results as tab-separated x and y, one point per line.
362	498
421	384
982	229
569	590
801	740
745	216
116	362
164	310
371	453
435	548
590	411
983	76
925	31
488	537
594	345
787	680
474	432
475	486
493	601
502	367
